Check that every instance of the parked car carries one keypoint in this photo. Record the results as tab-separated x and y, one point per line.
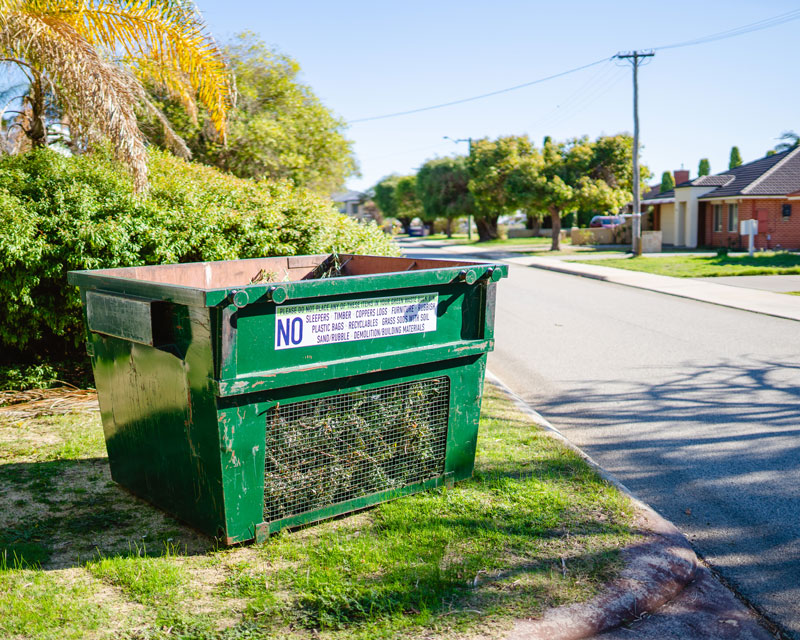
609	222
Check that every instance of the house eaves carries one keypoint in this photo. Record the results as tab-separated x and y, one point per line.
659	201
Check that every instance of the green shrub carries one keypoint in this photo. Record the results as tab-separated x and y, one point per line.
60	213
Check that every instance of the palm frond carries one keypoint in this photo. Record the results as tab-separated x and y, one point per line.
96	95
169	33
176	144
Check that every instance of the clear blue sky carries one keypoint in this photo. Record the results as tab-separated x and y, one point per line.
371	58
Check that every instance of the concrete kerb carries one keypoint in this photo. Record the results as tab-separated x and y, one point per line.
656	570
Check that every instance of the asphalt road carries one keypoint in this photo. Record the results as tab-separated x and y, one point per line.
694	407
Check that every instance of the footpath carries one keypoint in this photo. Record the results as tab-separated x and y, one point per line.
665	591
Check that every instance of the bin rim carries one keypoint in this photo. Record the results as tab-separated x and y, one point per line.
113	280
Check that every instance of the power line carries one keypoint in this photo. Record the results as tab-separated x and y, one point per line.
579	100
483	95
766	23
759	25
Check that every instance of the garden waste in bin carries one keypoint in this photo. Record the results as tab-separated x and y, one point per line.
246	396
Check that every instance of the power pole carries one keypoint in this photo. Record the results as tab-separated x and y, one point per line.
469	155
635	58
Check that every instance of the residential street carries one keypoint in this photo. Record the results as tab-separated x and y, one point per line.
694	407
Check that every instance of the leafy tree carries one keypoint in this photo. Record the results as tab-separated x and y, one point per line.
407	202
396	197
704	168
383	196
85	62
736	158
502	177
278	129
580	174
790	140
667	182
443	190
771	152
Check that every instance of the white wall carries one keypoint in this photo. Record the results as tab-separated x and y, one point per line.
686	225
668	223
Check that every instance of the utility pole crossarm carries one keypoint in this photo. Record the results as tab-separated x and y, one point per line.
636	57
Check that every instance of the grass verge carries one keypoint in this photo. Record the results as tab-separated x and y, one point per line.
79	557
762	264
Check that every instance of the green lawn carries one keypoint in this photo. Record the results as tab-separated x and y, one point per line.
81	558
761	264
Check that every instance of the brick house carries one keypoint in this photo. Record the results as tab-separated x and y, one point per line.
706	211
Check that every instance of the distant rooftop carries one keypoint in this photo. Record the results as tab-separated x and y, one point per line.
349	196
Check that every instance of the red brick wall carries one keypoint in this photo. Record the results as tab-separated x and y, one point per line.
781	232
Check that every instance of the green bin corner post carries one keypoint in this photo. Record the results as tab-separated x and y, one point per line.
187	375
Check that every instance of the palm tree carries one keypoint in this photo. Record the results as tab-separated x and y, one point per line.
790	141
85	62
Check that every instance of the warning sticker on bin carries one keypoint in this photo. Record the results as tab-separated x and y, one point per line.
311	325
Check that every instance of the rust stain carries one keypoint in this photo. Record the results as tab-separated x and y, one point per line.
314	368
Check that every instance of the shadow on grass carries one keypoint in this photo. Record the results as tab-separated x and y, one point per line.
445	559
64	512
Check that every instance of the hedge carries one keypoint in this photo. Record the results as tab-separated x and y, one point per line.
59	213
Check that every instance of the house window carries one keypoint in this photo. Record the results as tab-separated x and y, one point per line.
717	217
733	217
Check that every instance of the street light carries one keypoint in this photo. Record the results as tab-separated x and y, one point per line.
469	155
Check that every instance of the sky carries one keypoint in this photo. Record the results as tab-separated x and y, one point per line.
367	59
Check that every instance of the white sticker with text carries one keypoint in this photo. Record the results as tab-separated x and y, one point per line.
309	325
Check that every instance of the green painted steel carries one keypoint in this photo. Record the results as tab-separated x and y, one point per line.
189	359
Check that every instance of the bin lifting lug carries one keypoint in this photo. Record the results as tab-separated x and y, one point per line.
468	275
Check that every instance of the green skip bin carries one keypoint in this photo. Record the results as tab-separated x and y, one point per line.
246	396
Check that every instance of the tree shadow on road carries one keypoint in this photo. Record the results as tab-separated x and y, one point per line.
716	449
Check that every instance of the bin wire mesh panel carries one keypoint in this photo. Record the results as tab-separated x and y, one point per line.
324	451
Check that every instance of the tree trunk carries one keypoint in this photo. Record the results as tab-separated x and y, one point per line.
487	228
406	222
429	227
449	228
37	131
534	224
555	216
